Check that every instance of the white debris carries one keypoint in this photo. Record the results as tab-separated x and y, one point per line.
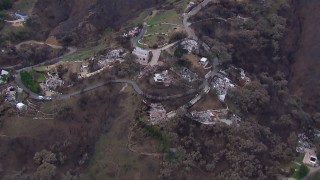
163	77
221	85
303	143
244	77
210	117
185	73
3	76
203	60
190	45
112	57
53	81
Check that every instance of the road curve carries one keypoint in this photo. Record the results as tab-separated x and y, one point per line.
71	50
133	84
33	95
193	12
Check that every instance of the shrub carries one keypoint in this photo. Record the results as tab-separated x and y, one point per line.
2	16
28	81
318	155
5	4
157	134
302	172
179	52
177	36
184	63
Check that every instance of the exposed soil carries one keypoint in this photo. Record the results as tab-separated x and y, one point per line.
304	81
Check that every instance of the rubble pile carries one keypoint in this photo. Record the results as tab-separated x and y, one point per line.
190	45
157	113
112	57
10	95
185	73
221	85
53	81
147	70
163	77
244	77
132	32
303	143
210	117
234	118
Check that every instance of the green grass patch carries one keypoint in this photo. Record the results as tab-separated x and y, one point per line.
183	4
37	76
316	176
157	134
301	172
160	28
83	54
291	165
169	16
154	31
150	40
29	82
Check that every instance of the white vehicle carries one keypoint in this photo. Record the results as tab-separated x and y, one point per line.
40	97
313	160
48	98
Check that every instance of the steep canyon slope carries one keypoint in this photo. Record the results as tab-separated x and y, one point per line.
79	20
304	80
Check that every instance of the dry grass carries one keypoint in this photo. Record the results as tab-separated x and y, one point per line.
112	159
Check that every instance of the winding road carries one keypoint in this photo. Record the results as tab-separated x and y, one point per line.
133	84
204	86
193	12
155	52
71	50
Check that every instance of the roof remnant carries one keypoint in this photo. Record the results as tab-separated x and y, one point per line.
157	113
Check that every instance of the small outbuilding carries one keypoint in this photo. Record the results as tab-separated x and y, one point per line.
203	60
142	54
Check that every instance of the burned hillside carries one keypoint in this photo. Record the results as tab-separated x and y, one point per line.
73	21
